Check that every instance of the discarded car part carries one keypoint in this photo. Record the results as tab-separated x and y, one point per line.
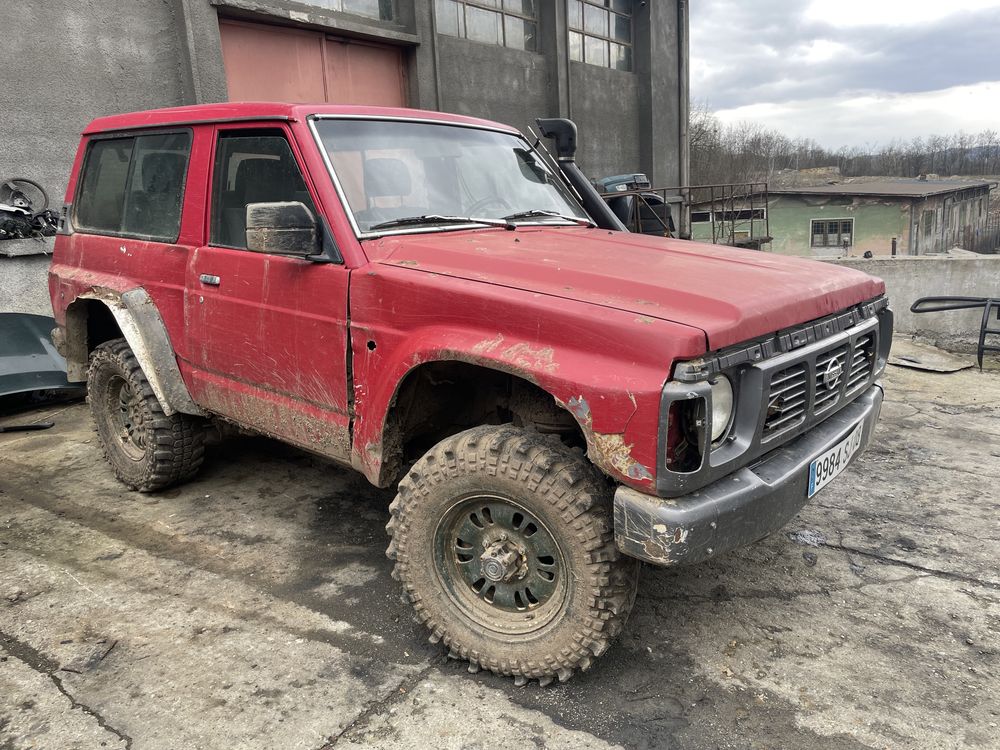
27	427
24	210
148	449
23	193
947	304
519	576
28	360
563	132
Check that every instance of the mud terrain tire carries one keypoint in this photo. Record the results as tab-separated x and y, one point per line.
509	480
147	449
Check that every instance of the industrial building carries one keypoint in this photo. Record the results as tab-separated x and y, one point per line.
616	67
908	217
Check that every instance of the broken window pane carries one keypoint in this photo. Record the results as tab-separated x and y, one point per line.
520	34
622	29
621	57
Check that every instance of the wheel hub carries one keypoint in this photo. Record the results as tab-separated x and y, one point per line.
503	561
500	564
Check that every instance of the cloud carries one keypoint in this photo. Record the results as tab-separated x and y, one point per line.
867	119
817	56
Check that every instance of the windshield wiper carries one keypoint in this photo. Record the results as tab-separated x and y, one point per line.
407	221
541	213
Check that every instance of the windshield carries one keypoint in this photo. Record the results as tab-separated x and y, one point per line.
402	174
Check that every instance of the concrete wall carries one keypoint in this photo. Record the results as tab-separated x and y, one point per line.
508	85
909	278
609	142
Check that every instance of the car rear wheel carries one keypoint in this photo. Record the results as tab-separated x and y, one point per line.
503	541
147	449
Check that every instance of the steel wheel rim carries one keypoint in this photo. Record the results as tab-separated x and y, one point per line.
500	565
127	418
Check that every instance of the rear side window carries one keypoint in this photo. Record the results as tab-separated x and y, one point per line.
251	167
134	186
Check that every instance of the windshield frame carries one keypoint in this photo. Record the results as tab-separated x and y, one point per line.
426	229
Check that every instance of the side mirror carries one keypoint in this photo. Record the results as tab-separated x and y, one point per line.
286	228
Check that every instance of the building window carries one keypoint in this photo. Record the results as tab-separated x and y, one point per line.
509	23
601	32
832	232
928	223
378	9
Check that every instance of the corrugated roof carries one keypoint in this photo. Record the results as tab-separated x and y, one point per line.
892	188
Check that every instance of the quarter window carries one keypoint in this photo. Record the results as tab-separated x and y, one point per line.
134	186
601	32
510	23
832	232
251	167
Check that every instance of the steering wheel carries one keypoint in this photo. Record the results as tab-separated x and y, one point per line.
489	200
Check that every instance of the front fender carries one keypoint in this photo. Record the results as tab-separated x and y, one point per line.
606	367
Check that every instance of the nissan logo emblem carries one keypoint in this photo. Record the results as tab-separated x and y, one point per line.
831	377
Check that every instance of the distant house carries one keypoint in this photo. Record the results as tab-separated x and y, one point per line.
923	216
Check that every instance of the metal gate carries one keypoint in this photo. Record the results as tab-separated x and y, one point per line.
274	63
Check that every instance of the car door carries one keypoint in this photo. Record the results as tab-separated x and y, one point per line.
266	334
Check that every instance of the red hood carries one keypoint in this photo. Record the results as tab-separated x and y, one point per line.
732	295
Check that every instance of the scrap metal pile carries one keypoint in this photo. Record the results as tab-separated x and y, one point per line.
24	210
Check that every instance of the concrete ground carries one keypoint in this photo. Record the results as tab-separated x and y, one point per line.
252	608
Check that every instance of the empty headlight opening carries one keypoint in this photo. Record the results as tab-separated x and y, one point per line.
685	434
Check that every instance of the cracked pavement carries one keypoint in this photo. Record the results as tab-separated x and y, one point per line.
252	608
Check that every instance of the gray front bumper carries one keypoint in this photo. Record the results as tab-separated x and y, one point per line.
740	508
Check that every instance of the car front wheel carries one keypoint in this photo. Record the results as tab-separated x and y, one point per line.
503	541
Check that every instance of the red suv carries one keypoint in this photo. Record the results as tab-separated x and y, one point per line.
434	300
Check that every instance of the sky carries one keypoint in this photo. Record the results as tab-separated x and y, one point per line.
849	72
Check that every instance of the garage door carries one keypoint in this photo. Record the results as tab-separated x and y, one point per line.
273	63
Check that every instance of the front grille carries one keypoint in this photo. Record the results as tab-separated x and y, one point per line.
786	403
861	362
828	388
810	389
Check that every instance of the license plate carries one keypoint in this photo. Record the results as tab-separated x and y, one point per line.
828	465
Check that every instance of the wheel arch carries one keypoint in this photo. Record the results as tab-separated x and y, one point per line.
100	315
437	398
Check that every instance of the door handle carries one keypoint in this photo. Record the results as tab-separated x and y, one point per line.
207	278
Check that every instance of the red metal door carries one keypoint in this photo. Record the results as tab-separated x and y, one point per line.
279	64
267	334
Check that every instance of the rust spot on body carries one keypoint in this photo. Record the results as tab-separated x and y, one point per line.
618	455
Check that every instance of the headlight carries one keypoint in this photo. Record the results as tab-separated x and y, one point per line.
722	406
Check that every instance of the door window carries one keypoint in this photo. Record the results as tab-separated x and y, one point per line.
251	167
134	186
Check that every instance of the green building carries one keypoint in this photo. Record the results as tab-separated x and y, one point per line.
922	216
